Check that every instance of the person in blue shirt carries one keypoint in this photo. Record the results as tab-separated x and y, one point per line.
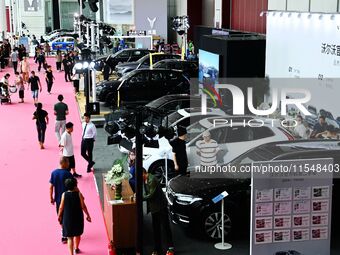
57	184
132	160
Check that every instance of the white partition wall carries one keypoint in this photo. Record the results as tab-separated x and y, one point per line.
304	5
305	46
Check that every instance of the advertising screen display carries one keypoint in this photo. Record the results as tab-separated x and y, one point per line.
208	67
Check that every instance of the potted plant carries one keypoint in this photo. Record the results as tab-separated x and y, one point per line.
115	177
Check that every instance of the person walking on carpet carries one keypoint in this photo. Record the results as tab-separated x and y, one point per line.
57	185
87	141
25	68
19	82
60	111
71	215
41	117
49	78
34	81
66	146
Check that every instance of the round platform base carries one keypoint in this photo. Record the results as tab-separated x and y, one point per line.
225	246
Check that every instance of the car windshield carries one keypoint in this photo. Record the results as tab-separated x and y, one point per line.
171	119
194	130
141	60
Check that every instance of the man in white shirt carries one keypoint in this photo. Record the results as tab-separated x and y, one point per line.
301	131
66	145
87	141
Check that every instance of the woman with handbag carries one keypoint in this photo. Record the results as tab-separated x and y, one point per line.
41	117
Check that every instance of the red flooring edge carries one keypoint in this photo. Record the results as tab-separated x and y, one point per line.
28	222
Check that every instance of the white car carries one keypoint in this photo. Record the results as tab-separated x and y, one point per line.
233	141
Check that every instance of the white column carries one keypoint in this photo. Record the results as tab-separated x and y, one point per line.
3	23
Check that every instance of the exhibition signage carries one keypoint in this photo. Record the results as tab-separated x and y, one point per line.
291	205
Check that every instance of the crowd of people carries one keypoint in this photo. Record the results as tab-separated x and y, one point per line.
64	191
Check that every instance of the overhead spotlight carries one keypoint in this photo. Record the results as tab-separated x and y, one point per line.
289	15
274	13
332	17
299	15
320	17
281	14
309	16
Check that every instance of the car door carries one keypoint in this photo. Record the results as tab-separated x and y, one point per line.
157	85
69	43
134	89
176	83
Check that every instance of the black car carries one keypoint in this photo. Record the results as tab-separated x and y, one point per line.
189	68
190	199
143	62
122	56
142	86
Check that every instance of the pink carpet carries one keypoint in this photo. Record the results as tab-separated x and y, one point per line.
28	222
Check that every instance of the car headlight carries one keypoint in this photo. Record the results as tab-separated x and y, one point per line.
186	199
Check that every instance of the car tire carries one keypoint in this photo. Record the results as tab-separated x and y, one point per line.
211	223
158	169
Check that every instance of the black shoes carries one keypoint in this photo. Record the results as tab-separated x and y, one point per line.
75	175
76	251
64	240
90	165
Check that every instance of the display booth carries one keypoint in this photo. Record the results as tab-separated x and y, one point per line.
303	50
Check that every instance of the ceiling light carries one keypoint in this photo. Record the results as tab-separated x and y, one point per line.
281	14
299	15
320	17
332	17
309	16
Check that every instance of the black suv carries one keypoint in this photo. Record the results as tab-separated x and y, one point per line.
143	62
189	68
190	199
142	86
125	55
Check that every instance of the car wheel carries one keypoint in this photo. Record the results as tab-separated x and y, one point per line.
212	224
158	169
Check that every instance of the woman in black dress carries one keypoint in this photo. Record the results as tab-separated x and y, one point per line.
71	216
41	117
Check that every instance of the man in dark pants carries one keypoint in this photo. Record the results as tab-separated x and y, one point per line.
179	150
157	206
67	68
15	58
87	142
57	185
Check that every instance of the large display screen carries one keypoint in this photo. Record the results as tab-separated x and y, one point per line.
208	67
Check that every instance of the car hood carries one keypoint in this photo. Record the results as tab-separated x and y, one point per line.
204	187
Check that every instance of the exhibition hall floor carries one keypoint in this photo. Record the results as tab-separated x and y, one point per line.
28	221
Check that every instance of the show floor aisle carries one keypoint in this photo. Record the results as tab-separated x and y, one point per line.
28	222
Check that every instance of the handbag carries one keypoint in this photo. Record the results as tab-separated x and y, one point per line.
12	89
